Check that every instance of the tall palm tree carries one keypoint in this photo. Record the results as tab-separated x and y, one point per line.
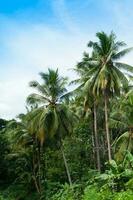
84	69
53	118
109	75
123	117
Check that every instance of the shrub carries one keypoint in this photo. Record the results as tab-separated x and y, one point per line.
67	193
125	195
91	193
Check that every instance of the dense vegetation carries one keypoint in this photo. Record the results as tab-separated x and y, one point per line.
74	145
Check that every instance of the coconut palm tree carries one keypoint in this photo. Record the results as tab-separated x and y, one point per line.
109	75
122	116
52	120
84	69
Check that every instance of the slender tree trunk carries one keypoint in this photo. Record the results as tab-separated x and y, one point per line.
39	167
96	139
66	166
34	176
34	167
93	150
103	143
36	184
107	126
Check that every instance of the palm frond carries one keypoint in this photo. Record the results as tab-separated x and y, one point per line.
39	87
122	53
124	66
36	98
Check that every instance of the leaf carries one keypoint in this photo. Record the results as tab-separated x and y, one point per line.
124	66
122	53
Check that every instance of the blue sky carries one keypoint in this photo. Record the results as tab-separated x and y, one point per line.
37	34
9	6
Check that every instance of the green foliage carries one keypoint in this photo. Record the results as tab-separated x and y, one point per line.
61	139
125	195
91	193
129	184
68	193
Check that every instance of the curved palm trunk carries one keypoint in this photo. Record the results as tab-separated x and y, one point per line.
96	139
66	166
34	177
107	126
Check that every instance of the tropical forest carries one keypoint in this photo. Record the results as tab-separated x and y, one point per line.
75	140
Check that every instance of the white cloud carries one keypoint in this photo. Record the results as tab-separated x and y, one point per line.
29	48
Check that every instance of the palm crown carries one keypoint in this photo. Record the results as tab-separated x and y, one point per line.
52	118
109	75
50	91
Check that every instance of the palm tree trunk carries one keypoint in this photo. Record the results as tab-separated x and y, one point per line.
93	150
34	176
39	167
96	139
66	166
34	168
107	127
